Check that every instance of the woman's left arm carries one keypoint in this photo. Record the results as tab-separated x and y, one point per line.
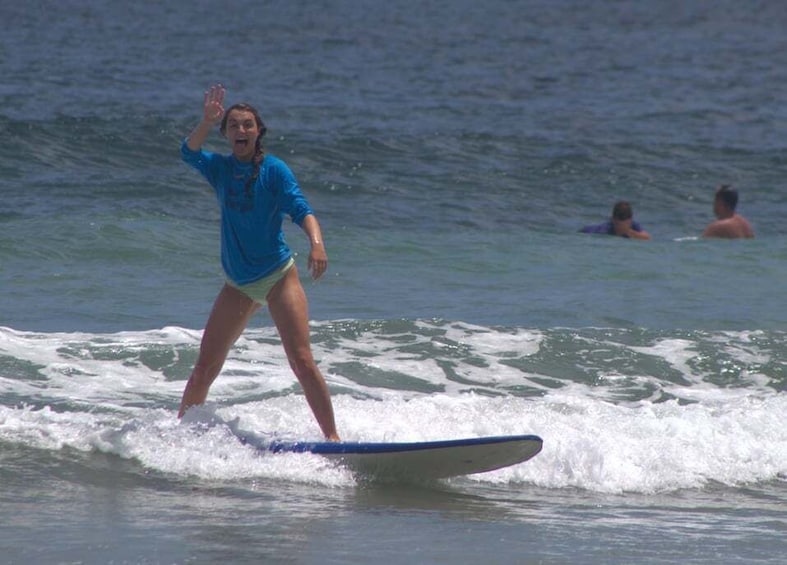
318	258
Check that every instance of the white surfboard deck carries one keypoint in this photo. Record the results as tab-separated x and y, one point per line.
421	460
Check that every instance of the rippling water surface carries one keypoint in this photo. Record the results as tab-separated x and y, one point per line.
451	150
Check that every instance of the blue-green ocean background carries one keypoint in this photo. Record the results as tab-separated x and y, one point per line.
451	150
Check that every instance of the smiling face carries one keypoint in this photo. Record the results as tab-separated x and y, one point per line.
242	130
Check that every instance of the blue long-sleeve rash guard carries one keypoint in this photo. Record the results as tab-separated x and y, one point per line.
252	240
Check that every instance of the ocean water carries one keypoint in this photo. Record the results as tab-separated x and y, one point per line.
451	150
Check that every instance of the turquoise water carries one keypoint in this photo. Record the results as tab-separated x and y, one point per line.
451	150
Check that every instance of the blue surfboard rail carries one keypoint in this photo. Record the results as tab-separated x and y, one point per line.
329	447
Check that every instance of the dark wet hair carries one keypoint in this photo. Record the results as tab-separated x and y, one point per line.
259	149
728	196
622	211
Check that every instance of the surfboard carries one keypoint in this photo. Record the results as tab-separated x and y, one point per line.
421	460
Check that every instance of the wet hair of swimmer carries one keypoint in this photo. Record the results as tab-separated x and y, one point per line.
622	211
728	196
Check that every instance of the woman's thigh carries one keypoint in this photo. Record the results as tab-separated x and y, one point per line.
228	318
290	312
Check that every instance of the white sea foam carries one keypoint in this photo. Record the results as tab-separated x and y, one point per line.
90	394
588	444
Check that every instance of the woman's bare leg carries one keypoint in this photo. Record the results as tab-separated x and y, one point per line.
290	312
230	315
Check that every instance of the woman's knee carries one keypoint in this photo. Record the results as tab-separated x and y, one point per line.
303	365
203	375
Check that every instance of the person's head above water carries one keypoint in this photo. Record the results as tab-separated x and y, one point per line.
725	201
622	211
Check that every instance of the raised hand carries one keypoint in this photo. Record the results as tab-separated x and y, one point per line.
212	112
213	106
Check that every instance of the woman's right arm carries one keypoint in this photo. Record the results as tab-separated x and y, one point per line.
212	112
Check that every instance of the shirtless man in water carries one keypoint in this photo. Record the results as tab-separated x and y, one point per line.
729	224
